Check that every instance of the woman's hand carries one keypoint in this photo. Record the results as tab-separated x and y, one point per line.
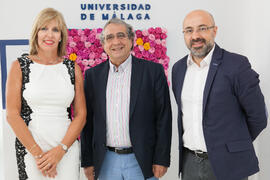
49	160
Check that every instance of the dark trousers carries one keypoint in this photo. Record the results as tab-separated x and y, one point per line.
197	168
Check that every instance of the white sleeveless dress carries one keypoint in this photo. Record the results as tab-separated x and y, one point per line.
47	93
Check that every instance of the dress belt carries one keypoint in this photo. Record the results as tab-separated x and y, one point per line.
198	153
121	150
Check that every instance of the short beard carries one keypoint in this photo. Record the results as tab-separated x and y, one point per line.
200	52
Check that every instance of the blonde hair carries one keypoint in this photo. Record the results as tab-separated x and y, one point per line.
43	18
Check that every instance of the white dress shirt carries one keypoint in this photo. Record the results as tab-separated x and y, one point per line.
192	102
117	104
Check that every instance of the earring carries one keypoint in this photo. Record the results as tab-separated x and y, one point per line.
60	40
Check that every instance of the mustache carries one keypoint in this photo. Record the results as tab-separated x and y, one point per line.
197	40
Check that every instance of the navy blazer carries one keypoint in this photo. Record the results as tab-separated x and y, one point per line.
150	123
234	113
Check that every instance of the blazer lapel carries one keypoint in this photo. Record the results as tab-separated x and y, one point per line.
215	62
179	81
135	84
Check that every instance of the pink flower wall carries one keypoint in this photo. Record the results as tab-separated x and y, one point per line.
85	48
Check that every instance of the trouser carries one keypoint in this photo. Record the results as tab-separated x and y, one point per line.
121	167
197	168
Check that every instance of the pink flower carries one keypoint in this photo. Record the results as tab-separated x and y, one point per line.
158	53
93	48
166	60
79	58
87	32
158	30
87	44
99	30
85	62
145	32
164	30
104	56
92	38
69	39
97	42
151	37
98	56
80	32
80	45
72	32
145	39
163	36
152	50
92	55
158	46
163	42
98	36
136	49
157	36
151	30
98	61
76	38
94	31
99	50
145	54
83	38
69	50
152	57
163	55
72	44
158	41
138	33
141	48
138	55
75	49
152	43
91	62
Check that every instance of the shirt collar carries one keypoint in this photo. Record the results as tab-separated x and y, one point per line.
206	60
122	66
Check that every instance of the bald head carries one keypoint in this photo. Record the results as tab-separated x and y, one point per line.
199	32
199	15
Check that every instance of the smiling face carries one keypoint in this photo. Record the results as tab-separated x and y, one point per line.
203	32
117	43
49	36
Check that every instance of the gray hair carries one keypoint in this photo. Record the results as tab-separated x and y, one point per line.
129	28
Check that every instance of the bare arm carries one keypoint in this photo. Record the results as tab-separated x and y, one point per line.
79	105
13	96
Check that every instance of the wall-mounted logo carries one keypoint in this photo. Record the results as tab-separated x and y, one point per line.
107	11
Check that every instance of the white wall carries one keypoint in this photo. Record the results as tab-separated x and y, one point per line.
244	28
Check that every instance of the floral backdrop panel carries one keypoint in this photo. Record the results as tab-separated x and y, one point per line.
85	48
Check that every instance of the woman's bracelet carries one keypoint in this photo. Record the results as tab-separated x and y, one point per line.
35	145
38	156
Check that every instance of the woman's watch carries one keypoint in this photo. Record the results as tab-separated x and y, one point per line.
65	148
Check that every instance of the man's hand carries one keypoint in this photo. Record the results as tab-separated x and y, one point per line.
159	170
89	172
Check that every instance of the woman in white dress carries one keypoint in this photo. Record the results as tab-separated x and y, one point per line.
40	90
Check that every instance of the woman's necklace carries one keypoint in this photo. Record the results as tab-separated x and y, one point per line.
48	62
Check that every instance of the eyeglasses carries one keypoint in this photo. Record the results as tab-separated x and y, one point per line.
201	29
119	35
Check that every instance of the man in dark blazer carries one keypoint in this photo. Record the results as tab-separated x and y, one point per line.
128	129
221	109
